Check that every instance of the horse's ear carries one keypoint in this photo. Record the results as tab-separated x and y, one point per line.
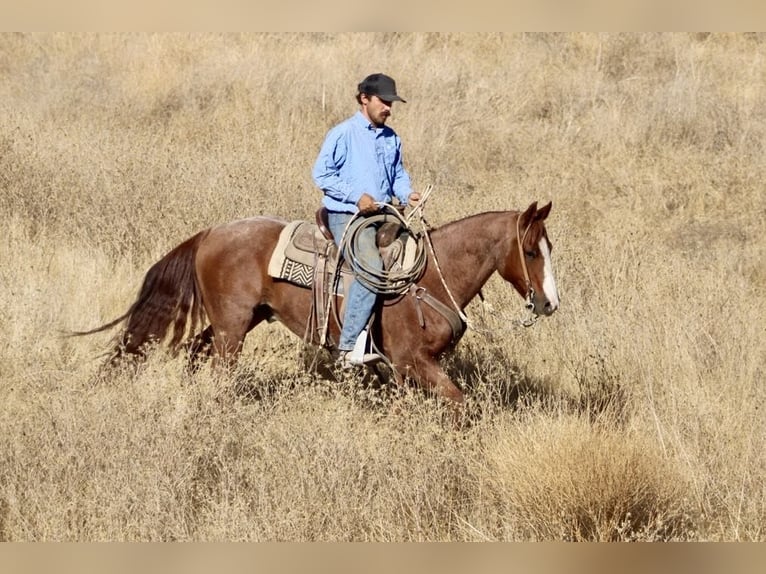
543	212
526	218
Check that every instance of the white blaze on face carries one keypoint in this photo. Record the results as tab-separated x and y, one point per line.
549	281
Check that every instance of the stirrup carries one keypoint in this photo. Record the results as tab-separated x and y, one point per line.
346	360
359	356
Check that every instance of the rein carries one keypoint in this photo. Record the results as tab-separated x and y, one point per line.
529	304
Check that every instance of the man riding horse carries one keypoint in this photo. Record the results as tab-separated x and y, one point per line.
359	166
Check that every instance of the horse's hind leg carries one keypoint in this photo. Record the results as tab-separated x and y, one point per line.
228	331
200	348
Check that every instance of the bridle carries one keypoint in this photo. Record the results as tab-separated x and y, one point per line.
530	295
529	304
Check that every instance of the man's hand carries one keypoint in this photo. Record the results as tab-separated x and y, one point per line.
366	204
413	199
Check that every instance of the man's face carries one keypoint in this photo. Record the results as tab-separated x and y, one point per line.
376	110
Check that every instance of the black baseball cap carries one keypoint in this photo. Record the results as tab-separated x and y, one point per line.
380	85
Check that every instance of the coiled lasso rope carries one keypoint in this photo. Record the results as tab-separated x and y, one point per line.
395	280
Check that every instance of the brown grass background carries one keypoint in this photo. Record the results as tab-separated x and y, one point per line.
634	413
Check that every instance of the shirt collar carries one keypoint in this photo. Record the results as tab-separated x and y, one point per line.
365	123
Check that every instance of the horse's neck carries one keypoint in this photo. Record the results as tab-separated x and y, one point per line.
467	253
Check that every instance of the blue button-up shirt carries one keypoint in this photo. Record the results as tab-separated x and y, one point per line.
357	158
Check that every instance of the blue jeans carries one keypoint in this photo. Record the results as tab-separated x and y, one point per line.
360	301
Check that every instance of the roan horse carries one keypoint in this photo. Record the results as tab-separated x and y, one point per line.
221	274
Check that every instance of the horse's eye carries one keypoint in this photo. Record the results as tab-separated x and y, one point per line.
531	254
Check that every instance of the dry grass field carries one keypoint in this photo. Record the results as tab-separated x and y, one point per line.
635	413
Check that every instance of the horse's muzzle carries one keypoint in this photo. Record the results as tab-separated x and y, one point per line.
539	304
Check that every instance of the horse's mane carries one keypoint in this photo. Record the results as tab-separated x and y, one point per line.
445	227
532	238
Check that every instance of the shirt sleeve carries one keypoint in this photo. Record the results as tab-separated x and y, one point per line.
402	185
326	171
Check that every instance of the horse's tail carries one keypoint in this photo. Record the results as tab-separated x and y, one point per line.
169	297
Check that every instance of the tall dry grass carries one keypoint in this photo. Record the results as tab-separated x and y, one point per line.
634	413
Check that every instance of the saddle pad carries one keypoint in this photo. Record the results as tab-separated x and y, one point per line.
294	255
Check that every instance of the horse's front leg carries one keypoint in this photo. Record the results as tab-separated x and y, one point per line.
427	372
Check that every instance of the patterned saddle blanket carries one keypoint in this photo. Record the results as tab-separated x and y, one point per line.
297	251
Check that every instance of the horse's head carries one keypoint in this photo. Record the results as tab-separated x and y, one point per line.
527	264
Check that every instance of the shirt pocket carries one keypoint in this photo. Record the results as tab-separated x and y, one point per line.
390	154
